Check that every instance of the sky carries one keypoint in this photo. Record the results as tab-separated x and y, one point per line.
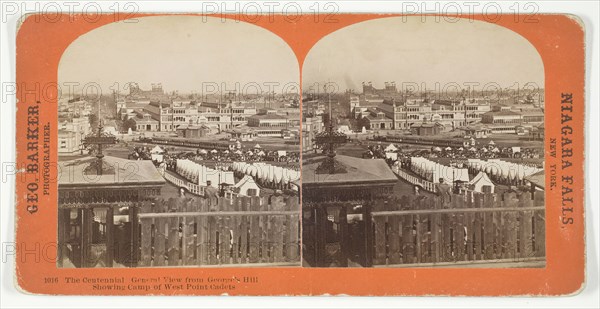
407	50
181	52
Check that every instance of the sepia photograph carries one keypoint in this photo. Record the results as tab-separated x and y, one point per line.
179	146
309	153
423	146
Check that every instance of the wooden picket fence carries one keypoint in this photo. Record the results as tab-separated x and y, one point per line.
241	231
472	228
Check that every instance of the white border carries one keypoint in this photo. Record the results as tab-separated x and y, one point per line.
588	11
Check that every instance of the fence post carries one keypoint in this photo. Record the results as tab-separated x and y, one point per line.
64	227
525	227
369	247
135	234
320	231
110	236
343	235
86	237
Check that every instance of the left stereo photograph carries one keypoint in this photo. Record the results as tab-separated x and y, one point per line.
178	146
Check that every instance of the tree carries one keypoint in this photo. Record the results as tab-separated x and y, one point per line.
363	122
93	119
129	123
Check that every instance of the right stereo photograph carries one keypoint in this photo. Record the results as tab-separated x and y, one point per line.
423	146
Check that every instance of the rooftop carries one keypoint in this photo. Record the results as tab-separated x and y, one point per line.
268	116
358	171
120	173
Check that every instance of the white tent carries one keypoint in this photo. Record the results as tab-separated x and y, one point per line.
480	181
247	187
156	157
491	143
213	151
281	153
156	149
203	151
503	169
261	153
448	148
391	148
433	171
437	149
391	155
257	146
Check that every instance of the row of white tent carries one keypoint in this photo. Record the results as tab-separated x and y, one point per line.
266	173
472	149
502	169
391	148
433	171
200	174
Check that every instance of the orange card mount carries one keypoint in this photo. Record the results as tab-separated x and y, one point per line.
372	155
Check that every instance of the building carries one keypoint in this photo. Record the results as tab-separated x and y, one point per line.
87	210
172	113
242	133
328	200
403	114
532	116
69	142
426	128
502	121
310	127
224	116
377	120
71	132
194	131
476	131
144	122
268	123
537	132
388	90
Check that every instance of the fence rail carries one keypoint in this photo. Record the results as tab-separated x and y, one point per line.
191	187
471	228
249	231
427	185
